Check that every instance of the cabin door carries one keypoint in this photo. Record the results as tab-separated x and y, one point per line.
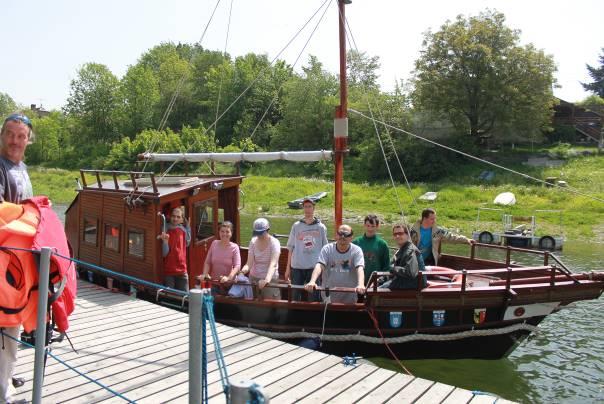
203	219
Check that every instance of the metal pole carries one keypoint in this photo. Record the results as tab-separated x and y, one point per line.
195	304
36	397
341	120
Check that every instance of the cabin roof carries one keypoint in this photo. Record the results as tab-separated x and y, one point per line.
165	185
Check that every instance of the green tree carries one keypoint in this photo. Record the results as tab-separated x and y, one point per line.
7	104
308	110
591	101
250	88
597	75
93	102
139	90
49	144
475	74
362	70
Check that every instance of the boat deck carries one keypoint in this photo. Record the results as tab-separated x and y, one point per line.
140	350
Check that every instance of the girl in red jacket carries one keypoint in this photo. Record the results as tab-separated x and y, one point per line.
174	250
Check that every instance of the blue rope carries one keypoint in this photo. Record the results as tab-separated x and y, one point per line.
115	393
208	301
20	249
123	276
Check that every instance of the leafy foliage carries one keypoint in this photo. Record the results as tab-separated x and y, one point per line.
597	75
474	73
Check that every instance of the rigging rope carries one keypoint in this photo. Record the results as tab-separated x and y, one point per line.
224	52
568	189
397	340
168	110
95	381
293	65
352	42
262	71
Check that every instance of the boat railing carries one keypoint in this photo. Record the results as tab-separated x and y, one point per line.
509	250
133	175
507	277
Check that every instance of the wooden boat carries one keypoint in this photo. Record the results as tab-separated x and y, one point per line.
297	203
478	308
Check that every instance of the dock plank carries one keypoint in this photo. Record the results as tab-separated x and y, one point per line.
140	350
337	386
412	391
395	384
436	394
458	395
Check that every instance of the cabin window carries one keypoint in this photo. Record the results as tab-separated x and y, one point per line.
136	243
90	231
112	237
204	220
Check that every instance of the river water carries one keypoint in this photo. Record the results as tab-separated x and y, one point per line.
563	363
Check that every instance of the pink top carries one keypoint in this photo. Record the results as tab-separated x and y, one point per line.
262	258
222	259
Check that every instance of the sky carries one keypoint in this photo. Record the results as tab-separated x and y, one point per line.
46	42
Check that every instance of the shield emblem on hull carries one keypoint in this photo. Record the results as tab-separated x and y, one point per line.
438	318
479	315
396	319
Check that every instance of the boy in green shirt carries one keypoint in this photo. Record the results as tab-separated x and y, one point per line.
375	249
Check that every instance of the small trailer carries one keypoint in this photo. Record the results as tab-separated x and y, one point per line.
519	231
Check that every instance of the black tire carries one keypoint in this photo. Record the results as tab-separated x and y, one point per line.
547	243
485	237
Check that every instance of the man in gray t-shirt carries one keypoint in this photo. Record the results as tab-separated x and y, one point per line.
15	186
341	265
305	241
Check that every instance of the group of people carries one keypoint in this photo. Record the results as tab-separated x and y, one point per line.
313	260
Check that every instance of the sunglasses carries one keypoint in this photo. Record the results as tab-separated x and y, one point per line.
344	234
19	118
399	233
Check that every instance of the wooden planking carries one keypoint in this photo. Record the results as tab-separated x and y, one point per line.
395	384
141	351
458	396
437	393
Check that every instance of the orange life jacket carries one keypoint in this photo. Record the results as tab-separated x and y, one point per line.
18	270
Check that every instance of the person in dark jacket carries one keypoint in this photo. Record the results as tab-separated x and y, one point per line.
406	262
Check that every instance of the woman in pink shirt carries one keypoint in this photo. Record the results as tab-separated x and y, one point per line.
223	260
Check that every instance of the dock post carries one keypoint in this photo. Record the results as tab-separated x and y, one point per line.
36	397
195	307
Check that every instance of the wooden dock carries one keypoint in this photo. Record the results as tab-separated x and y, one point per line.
140	350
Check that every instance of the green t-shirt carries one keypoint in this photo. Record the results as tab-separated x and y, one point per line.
376	253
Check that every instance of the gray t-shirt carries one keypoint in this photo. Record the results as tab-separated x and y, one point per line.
305	242
340	270
15	185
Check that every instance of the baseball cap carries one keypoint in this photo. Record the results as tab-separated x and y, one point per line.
260	226
308	200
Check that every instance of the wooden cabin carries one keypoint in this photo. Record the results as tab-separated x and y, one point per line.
114	221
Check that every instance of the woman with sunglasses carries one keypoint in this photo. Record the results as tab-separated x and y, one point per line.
406	262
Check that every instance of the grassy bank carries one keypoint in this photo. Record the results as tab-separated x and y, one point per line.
458	197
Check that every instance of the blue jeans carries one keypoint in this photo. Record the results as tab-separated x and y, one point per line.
302	277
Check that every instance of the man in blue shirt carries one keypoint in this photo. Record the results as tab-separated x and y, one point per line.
427	236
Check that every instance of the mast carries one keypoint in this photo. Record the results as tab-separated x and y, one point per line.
340	132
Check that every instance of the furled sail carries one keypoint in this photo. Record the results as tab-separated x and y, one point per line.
297	156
